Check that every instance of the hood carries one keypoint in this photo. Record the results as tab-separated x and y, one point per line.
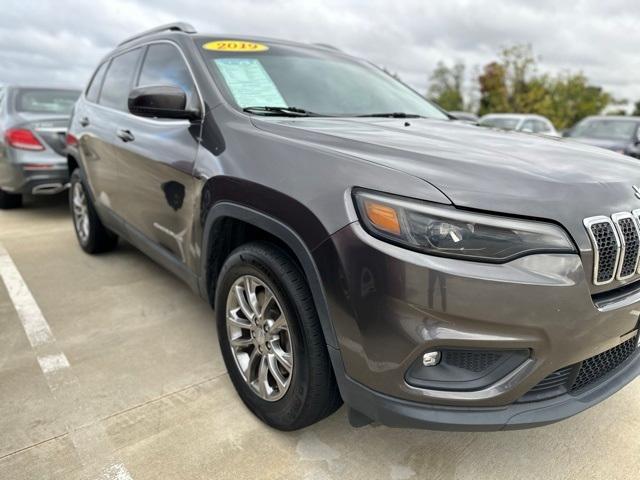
615	145
481	168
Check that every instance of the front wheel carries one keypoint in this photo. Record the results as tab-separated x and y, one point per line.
271	339
92	235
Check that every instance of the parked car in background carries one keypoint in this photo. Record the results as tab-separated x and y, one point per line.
617	133
520	122
33	125
363	248
465	116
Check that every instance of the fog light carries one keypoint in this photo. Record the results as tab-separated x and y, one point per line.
431	359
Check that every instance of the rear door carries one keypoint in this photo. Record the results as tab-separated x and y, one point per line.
156	158
95	119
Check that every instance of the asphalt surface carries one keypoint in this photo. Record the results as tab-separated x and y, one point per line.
129	384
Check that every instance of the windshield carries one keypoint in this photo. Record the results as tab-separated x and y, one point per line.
313	80
500	122
46	101
605	129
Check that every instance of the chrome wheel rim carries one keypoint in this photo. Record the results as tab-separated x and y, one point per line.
80	212
259	338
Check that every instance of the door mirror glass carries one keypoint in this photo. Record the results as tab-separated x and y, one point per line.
160	101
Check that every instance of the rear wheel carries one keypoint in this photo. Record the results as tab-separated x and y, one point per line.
10	200
271	339
92	235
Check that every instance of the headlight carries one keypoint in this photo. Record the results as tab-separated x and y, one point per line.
449	232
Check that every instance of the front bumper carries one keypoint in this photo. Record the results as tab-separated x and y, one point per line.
391	305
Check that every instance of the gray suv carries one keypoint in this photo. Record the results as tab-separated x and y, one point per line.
357	244
33	126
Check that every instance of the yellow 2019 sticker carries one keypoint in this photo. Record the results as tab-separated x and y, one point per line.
235	46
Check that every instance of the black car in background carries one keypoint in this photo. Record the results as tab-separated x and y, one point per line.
617	133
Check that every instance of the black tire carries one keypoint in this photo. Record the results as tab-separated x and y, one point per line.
9	200
100	239
313	393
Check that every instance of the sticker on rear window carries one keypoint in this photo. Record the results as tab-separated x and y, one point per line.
249	82
235	46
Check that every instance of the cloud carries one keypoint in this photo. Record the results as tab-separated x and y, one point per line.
61	42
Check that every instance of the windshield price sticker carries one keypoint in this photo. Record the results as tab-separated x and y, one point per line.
249	82
235	46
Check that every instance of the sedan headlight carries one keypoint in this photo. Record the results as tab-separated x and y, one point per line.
449	232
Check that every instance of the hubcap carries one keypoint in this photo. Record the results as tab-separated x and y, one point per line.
259	337
80	212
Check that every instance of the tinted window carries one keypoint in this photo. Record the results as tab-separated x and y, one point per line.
118	80
528	126
40	100
605	129
94	87
500	122
164	65
541	126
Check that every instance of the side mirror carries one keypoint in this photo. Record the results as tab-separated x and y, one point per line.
160	101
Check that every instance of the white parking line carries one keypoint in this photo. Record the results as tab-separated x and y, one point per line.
88	436
33	322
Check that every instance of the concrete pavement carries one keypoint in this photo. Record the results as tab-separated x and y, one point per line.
146	396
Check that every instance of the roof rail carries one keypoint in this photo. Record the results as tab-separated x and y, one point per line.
169	27
328	46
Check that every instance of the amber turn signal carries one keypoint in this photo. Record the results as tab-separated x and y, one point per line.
382	217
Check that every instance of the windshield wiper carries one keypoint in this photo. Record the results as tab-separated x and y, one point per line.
391	115
286	111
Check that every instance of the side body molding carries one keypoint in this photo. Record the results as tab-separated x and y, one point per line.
283	232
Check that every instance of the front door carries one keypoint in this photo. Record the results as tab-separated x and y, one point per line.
156	159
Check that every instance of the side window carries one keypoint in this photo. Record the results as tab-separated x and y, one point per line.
164	65
528	126
118	81
93	90
542	126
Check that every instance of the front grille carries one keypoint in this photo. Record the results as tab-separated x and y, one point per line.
578	376
594	368
616	246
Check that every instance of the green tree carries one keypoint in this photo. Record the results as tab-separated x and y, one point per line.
494	97
571	98
446	86
513	84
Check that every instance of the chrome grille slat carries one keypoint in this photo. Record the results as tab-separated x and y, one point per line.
629	235
606	248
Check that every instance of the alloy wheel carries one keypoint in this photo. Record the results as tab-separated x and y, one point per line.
259	337
80	212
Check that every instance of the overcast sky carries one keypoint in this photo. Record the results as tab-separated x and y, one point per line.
59	42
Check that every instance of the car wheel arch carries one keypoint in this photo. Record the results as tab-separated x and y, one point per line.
210	264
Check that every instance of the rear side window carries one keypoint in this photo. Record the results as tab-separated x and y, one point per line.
119	79
94	87
164	65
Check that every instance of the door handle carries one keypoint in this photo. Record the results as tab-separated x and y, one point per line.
84	122
125	135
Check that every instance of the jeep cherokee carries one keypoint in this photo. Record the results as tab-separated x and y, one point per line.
357	243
